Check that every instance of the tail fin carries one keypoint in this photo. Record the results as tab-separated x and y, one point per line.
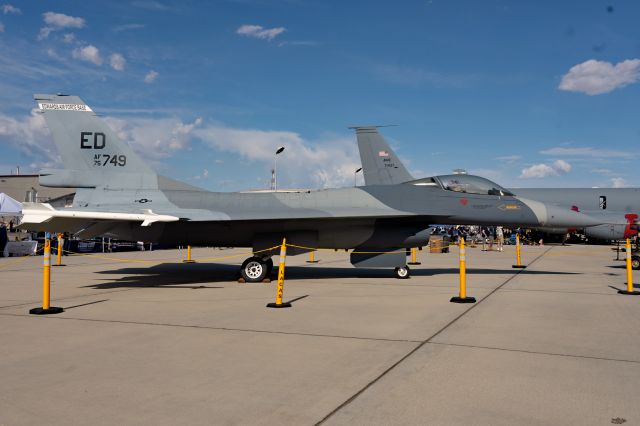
84	141
380	165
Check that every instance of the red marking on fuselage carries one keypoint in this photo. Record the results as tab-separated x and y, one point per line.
575	208
464	201
631	230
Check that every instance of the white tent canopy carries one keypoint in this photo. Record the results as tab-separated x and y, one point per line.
9	206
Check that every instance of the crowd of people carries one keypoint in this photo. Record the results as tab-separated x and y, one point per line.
497	235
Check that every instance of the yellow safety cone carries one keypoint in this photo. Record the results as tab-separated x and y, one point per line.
280	288
463	298
46	309
629	291
518	264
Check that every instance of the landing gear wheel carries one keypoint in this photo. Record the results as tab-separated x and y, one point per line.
254	269
269	263
635	262
402	273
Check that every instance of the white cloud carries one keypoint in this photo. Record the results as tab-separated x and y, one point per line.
597	77
69	38
509	158
154	139
561	166
29	135
258	31
557	168
150	77
58	21
88	53
619	182
117	61
587	152
326	163
10	9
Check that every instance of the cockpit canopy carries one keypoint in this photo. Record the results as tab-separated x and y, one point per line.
468	184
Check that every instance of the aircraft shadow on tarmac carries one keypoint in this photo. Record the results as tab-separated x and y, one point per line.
176	275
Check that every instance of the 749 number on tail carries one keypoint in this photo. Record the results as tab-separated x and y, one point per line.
109	160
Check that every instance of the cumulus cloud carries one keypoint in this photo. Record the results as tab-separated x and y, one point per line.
88	53
154	139
326	163
29	135
557	168
258	31
150	77
58	21
10	9
618	182
117	61
597	77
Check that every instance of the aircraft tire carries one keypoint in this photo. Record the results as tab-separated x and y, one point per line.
402	273
635	262
269	263
254	269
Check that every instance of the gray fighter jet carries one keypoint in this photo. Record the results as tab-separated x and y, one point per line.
617	209
118	195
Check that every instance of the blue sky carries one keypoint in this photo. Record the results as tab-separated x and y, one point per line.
525	93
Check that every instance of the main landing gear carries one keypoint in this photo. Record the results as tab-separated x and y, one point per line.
255	269
402	272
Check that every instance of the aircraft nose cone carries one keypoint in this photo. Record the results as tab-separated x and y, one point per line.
564	217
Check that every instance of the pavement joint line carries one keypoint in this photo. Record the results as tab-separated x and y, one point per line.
204	327
536	352
424	342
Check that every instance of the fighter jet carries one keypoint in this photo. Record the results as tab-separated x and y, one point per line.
118	195
617	209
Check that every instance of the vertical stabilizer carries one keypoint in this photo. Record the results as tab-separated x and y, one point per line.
380	165
84	141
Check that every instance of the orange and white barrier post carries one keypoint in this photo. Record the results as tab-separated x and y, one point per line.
280	288
629	290
518	264
46	285
463	298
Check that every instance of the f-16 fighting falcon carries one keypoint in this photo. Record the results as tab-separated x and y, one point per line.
118	195
616	209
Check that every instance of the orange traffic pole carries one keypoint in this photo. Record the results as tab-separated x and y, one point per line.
59	250
280	288
189	260
46	284
629	290
414	256
463	278
518	264
312	257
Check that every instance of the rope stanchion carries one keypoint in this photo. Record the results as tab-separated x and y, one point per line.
414	257
463	298
189	260
59	250
629	291
280	288
312	257
518	264
46	308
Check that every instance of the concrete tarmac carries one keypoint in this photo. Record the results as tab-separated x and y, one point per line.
146	341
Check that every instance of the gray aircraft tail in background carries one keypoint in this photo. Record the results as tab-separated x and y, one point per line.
118	195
